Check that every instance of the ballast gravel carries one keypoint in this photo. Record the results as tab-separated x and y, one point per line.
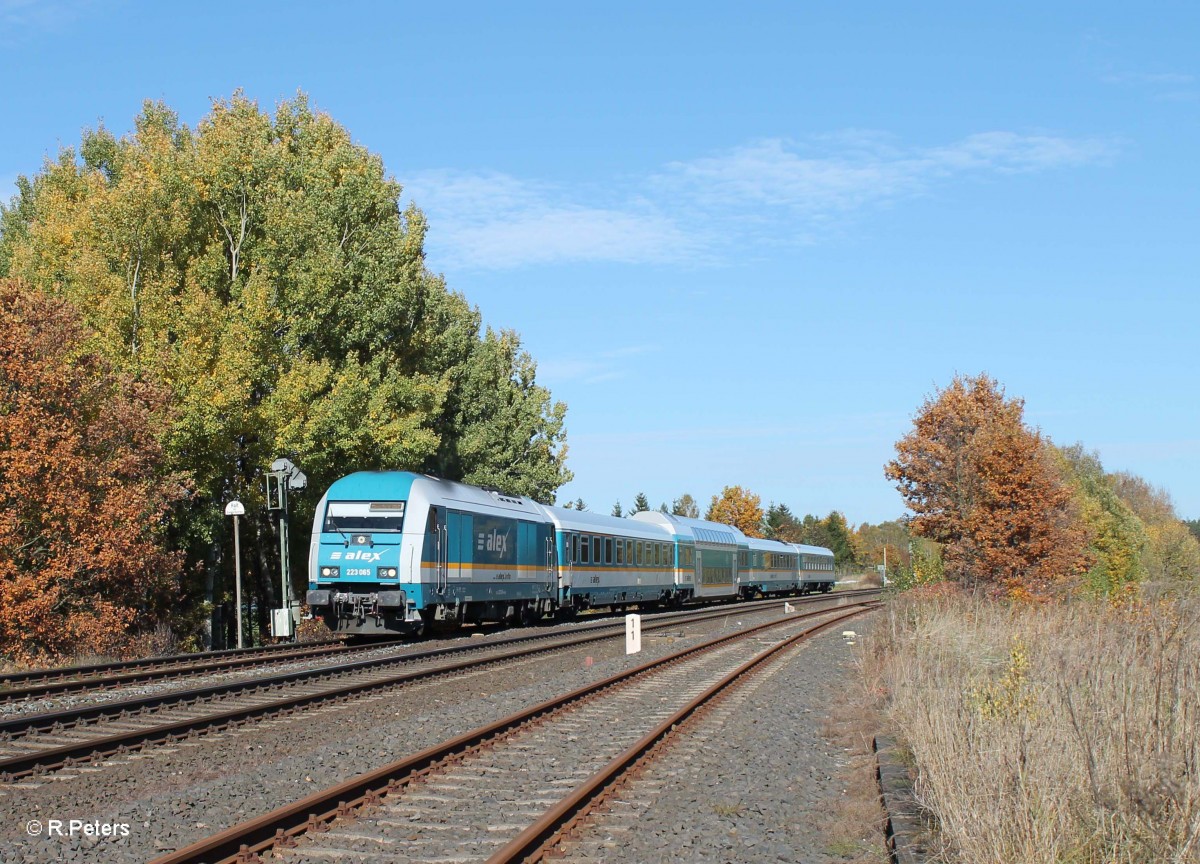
753	782
142	805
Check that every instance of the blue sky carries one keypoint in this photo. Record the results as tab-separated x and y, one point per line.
743	241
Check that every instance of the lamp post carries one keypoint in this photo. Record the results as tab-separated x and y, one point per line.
235	509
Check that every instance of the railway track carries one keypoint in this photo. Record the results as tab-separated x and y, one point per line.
511	790
12	680
103	679
40	743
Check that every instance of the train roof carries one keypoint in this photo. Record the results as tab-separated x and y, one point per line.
372	485
697	530
811	550
761	544
582	520
405	485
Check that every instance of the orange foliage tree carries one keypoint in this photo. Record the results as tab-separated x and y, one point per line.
82	499
738	507
982	483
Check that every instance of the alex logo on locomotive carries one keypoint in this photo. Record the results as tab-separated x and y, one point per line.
355	556
493	541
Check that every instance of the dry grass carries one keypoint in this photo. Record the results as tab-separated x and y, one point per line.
1065	733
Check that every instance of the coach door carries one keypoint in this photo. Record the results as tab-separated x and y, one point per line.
551	576
458	559
441	547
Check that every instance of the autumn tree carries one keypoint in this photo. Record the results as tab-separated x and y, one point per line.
685	505
83	493
983	484
738	507
888	540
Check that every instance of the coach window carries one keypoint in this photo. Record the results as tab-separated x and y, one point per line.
638	562
608	550
595	550
620	552
629	552
584	549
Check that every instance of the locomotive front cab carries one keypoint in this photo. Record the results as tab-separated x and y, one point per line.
357	583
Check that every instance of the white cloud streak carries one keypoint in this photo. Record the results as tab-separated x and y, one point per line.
497	221
763	192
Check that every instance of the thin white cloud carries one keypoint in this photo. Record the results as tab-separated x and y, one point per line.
778	173
1161	86
761	193
498	221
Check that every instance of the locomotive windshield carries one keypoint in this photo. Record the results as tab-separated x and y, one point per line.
350	516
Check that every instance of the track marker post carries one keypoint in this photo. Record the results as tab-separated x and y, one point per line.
633	634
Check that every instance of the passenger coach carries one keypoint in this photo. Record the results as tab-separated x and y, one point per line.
816	569
610	561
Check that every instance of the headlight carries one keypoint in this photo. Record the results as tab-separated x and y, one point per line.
331	572
386	572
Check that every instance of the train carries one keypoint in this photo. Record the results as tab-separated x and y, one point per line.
396	552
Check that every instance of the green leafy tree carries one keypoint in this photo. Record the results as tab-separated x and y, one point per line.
1171	552
685	505
1117	537
780	524
500	427
616	511
640	503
